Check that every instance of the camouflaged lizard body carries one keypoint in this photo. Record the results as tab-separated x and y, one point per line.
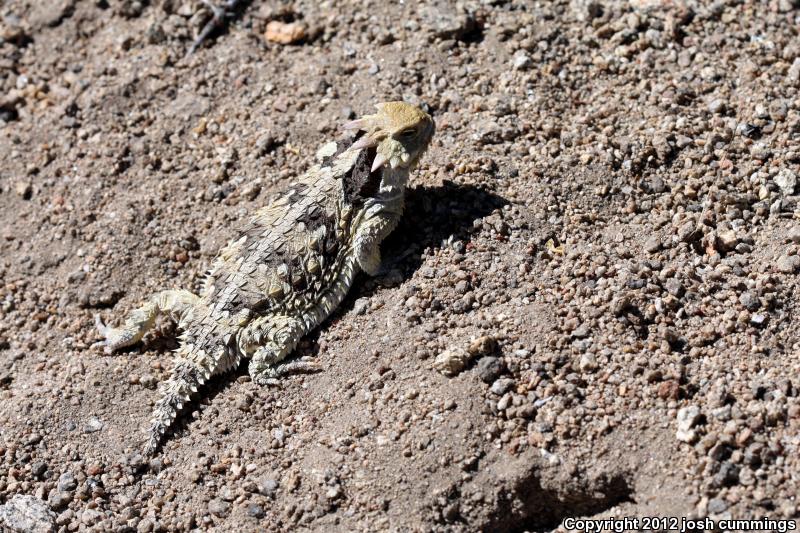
290	267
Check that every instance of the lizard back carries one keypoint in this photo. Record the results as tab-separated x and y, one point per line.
290	252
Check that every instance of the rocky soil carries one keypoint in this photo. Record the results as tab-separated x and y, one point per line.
592	310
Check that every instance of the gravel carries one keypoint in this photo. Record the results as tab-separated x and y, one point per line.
598	250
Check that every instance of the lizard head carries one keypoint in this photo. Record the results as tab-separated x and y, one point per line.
400	133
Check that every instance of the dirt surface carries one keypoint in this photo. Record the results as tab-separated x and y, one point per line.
603	231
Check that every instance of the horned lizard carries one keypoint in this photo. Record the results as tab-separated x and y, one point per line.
291	266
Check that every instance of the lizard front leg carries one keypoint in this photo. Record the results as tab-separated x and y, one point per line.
379	222
175	303
267	341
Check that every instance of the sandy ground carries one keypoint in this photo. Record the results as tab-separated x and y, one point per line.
604	229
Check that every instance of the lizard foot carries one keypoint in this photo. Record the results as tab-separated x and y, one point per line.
105	332
269	375
113	339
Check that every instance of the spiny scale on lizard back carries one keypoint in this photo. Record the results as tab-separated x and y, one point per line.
289	251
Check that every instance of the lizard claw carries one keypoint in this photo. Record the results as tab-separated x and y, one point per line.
101	327
266	382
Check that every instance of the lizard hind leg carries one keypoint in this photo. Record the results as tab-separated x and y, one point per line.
175	303
268	341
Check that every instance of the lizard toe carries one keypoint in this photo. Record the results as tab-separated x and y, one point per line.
104	331
266	382
100	325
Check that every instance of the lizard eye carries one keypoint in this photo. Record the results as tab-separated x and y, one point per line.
408	133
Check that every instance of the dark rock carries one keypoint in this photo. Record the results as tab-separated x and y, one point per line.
67	482
38	469
489	368
727	476
749	300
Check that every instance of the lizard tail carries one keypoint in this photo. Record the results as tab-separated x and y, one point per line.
186	377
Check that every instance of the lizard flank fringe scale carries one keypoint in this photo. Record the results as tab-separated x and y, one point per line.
291	266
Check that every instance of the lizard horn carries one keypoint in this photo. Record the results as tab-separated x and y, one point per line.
380	160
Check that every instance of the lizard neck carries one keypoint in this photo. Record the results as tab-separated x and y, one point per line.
393	178
392	189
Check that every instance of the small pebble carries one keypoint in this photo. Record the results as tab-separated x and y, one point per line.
93	425
717	106
482	346
284	33
687	418
749	300
218	507
255	510
716	506
501	386
786	180
452	361
522	61
23	189
588	362
67	482
788	264
488	368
